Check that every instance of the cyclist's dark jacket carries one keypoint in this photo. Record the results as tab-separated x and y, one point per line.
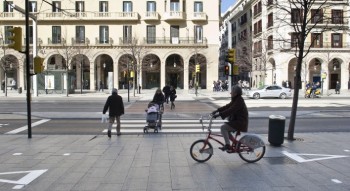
237	113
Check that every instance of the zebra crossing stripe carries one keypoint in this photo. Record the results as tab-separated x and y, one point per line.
164	130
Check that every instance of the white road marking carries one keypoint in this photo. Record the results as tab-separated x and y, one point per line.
296	156
26	127
25	180
17	154
346	150
336	181
163	130
66	154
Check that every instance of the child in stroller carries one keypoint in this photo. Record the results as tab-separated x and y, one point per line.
153	117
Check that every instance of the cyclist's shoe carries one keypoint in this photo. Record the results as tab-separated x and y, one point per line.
109	133
225	148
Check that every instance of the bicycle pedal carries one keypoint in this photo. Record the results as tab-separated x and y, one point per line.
229	151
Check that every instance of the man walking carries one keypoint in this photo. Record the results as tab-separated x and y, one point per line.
115	106
166	91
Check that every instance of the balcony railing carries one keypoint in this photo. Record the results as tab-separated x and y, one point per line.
175	41
80	41
151	15
101	42
199	16
325	45
53	42
174	15
89	16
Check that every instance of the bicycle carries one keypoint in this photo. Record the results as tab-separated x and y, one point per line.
250	147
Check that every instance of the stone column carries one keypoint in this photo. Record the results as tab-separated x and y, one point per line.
344	76
162	73
116	75
186	74
92	81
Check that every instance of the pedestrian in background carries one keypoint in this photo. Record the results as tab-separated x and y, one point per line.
337	88
101	86
166	91
13	84
173	96
3	86
115	106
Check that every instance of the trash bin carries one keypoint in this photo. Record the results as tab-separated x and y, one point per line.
276	129
20	90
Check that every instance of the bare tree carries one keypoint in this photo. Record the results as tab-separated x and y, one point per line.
137	52
197	60
68	52
301	17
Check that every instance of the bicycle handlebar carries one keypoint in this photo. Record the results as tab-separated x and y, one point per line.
208	117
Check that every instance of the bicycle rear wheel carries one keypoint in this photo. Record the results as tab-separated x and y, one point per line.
250	155
201	151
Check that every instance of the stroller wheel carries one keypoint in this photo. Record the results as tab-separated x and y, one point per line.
156	130
145	130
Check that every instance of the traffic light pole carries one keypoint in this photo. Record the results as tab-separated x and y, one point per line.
29	120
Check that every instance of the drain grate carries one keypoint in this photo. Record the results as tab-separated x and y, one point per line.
295	139
279	160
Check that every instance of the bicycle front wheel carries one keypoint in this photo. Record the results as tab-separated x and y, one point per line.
201	151
250	155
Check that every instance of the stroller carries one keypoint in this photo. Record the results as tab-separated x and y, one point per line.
153	117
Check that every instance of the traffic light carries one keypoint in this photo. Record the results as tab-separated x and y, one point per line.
230	56
198	68
227	70
235	70
38	65
16	38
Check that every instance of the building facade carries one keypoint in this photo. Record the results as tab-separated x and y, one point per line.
115	43
273	44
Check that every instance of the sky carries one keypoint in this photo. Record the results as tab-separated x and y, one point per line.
225	4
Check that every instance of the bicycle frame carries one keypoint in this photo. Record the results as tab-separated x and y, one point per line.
212	136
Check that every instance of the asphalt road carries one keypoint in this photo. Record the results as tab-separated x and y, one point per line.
91	126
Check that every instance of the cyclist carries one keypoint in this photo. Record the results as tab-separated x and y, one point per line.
236	112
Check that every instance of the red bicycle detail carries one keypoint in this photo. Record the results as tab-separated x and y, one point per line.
250	147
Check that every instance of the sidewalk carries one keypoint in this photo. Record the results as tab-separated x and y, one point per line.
162	162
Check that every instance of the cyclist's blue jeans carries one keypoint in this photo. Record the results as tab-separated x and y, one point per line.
225	131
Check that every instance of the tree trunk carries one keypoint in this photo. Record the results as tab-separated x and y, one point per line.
67	82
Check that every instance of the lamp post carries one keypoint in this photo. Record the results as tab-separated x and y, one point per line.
81	76
4	87
104	75
128	78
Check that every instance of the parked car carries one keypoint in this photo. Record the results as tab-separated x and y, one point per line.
270	91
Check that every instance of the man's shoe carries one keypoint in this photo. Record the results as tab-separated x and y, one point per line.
225	147
109	134
118	134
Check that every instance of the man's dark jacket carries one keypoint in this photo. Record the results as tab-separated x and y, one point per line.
237	114
115	105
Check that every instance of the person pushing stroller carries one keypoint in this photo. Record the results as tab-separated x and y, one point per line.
159	99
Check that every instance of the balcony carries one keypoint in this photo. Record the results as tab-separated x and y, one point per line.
10	16
56	42
180	41
80	42
174	16
123	16
199	16
151	16
106	42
